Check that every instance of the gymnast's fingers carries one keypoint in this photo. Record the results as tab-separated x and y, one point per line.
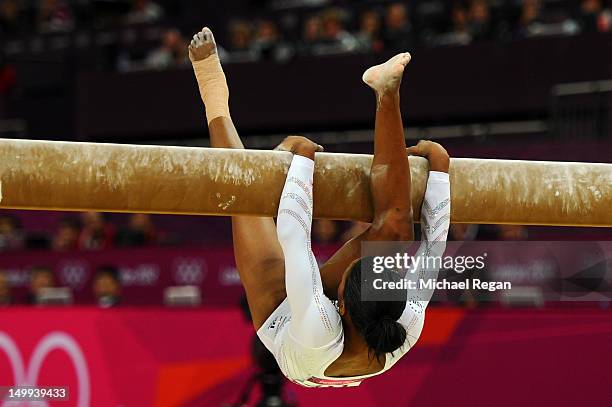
281	147
413	150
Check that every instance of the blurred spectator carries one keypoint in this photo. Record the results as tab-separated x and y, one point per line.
40	277
334	33
96	233
534	21
144	11
67	234
591	11
480	25
325	231
171	53
267	38
5	290
398	35
11	234
240	36
312	34
107	287
460	34
140	231
530	15
604	23
370	32
463	232
54	15
11	18
513	232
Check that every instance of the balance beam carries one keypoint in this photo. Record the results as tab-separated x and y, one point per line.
66	176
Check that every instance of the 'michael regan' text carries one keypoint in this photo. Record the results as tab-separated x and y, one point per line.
444	284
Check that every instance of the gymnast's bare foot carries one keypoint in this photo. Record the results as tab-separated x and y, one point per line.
388	76
202	45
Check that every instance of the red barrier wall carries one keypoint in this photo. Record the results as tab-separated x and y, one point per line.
161	357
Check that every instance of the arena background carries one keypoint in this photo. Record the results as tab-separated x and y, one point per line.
515	79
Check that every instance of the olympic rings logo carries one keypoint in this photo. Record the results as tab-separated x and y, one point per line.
53	340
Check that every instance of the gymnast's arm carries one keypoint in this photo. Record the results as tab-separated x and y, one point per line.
435	223
314	321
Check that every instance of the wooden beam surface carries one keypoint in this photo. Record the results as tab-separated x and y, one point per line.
50	175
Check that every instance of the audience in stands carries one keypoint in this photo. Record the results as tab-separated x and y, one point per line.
513	232
480	25
5	290
462	232
40	278
266	40
171	53
592	16
530	17
12	18
67	234
107	287
92	232
536	20
54	16
352	27
369	36
11	234
144	11
325	231
140	231
460	33
96	233
604	21
336	38
240	36
312	35
240	40
398	34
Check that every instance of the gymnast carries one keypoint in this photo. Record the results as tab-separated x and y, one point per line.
318	342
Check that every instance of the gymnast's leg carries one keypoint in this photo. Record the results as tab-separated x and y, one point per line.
258	254
390	173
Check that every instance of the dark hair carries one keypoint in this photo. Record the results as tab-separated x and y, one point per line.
108	271
375	320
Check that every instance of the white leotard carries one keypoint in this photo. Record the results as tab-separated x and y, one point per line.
305	332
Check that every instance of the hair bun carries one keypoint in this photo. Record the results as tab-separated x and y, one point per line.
385	335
